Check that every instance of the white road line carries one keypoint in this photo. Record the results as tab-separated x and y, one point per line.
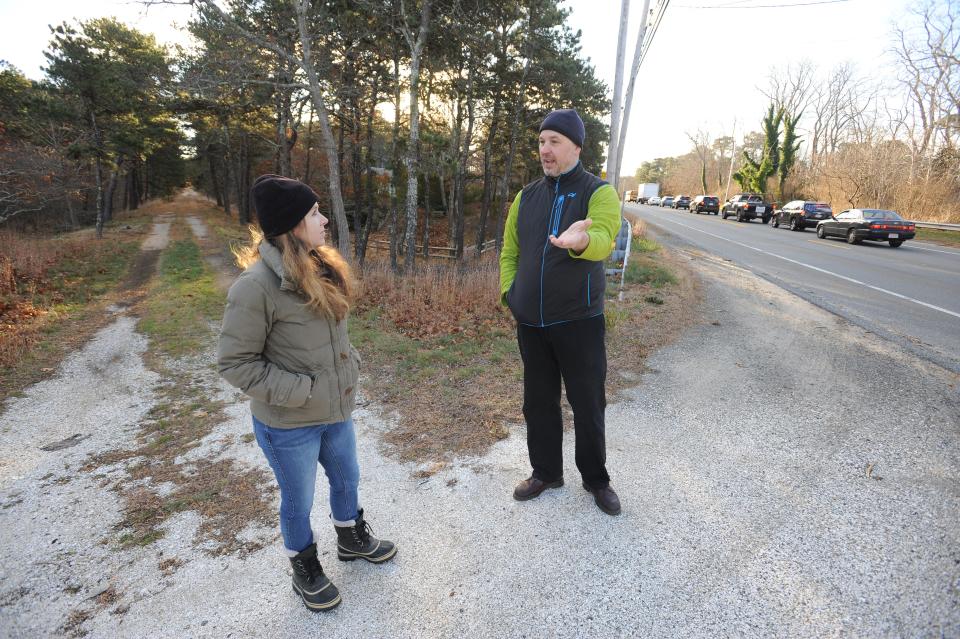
923	248
830	244
821	270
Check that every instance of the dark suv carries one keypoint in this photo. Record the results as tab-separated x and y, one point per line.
745	207
681	202
705	204
801	214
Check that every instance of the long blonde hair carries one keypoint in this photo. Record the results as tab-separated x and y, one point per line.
320	274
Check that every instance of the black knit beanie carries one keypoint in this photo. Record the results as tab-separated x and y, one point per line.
567	122
280	203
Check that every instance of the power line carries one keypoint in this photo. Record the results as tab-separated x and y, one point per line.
653	30
760	6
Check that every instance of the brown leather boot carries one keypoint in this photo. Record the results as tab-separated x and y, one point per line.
532	487
605	498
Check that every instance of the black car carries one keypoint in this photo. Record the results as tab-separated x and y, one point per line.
801	214
856	225
745	207
705	204
667	202
681	202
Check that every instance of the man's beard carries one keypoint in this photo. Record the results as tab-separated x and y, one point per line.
554	172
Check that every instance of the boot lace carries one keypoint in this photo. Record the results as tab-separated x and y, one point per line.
310	569
362	532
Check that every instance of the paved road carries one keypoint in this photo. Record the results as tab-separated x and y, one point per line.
910	295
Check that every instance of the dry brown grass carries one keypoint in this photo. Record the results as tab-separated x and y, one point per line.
441	351
52	294
438	299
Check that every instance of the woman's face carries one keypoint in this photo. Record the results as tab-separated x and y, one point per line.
313	228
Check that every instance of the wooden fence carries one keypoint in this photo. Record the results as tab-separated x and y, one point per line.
442	252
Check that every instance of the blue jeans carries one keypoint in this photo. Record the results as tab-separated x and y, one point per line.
293	454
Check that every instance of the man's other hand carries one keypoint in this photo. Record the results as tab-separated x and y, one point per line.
574	238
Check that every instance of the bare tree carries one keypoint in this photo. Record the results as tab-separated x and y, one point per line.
701	146
790	88
930	72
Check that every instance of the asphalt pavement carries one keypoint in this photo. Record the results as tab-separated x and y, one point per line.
909	295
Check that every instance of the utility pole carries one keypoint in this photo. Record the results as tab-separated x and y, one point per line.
634	68
733	156
617	97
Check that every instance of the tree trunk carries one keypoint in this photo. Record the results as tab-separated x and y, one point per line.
214	178
227	169
464	158
456	136
514	128
111	189
370	215
395	161
309	147
426	215
98	141
336	196
416	50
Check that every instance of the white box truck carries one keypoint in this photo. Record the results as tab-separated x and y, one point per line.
646	191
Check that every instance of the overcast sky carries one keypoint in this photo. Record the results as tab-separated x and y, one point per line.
703	70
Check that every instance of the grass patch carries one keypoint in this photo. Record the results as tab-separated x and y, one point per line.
643	245
53	296
185	299
440	351
454	391
947	238
645	271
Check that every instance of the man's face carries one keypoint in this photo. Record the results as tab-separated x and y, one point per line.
558	153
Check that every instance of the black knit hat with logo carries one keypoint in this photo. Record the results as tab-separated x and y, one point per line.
566	122
280	203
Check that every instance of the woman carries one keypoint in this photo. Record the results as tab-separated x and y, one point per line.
284	343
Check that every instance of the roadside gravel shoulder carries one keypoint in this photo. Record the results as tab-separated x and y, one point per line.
761	498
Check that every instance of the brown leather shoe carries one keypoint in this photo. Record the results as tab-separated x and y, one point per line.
605	498
532	487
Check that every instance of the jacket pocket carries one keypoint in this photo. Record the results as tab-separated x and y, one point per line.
319	405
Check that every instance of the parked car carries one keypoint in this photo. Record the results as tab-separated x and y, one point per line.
745	207
875	225
801	214
654	201
705	204
681	202
667	202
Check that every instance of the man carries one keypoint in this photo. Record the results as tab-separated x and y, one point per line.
559	230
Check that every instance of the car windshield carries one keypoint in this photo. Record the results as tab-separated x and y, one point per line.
877	214
710	199
755	198
817	207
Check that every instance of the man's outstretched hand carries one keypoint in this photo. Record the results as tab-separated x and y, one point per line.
575	237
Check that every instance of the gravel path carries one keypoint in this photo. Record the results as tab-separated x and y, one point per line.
762	497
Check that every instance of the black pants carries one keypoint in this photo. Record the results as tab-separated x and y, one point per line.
575	352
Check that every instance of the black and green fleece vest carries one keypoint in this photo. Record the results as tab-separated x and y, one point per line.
550	286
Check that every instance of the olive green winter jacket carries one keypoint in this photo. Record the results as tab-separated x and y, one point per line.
297	366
